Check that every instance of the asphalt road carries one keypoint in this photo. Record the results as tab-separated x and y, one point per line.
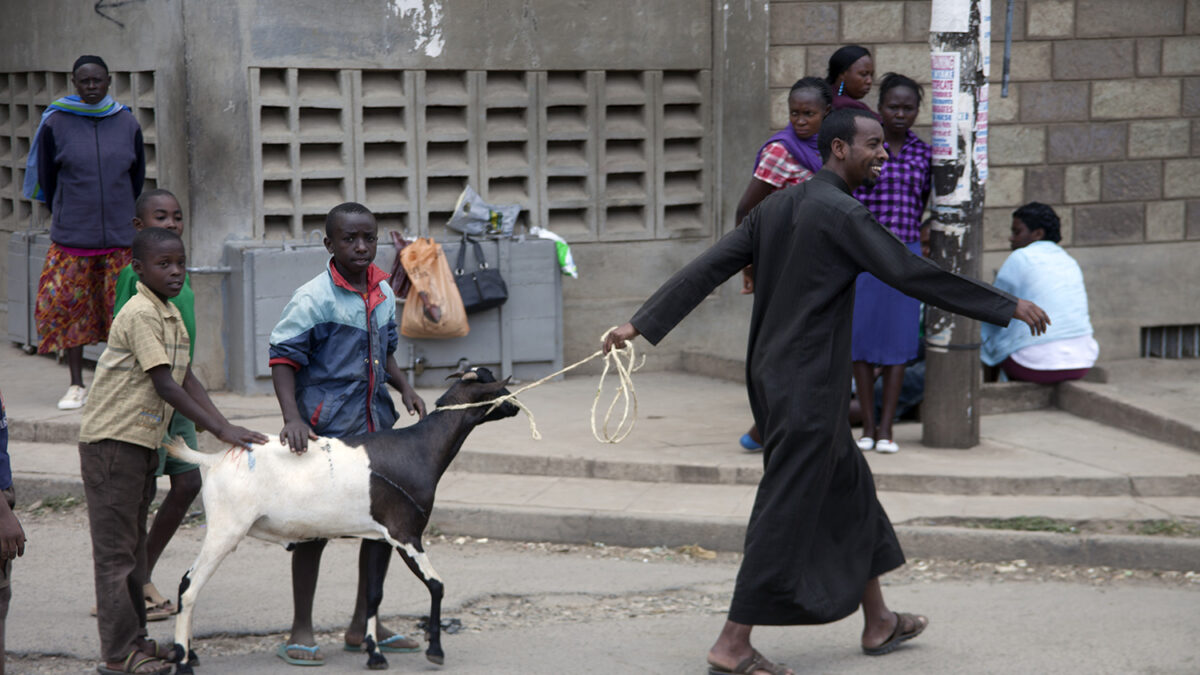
558	609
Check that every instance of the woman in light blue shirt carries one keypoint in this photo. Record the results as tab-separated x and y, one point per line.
1040	270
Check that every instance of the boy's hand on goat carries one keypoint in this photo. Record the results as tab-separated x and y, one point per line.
240	436
296	435
413	403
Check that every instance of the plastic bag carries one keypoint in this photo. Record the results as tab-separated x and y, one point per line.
477	218
434	308
565	262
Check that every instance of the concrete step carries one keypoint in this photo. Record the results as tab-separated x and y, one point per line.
643	513
637	513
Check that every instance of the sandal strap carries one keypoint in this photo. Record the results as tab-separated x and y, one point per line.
755	662
131	666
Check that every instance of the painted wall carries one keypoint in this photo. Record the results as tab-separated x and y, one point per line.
636	224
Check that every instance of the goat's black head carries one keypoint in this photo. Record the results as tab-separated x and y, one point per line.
476	385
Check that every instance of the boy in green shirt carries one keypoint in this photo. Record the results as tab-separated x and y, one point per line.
160	208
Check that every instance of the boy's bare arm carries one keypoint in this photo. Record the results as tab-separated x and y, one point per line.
195	389
296	433
179	399
12	537
396	378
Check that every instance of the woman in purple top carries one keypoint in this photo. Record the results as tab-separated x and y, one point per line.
886	322
851	73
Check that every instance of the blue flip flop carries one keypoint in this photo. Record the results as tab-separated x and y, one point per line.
749	443
386	645
282	653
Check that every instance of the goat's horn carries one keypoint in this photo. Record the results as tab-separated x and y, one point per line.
470	376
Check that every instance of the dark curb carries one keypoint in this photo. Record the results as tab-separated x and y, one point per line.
577	526
727	534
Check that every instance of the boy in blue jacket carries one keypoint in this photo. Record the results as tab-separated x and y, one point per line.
331	359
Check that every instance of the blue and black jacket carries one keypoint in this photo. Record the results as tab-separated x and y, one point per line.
339	340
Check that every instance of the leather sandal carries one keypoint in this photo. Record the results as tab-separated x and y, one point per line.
916	625
138	663
751	664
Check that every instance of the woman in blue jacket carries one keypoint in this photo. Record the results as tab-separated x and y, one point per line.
1039	269
88	165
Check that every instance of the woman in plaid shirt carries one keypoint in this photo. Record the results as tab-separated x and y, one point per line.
886	322
787	158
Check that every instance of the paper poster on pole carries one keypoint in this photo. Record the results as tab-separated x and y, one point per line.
985	37
981	135
944	88
950	16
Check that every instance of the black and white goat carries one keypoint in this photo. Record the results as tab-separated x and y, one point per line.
375	486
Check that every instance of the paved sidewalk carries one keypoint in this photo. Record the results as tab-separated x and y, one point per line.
681	478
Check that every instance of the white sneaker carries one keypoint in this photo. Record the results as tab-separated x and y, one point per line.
74	399
865	443
887	447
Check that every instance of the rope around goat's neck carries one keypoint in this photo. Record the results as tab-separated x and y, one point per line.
623	360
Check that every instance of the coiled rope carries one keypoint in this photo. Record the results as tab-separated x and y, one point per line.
623	360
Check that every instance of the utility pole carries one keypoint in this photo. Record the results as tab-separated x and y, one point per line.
959	40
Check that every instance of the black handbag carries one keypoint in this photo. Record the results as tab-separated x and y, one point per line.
482	288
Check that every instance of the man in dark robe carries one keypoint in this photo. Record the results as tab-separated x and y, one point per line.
818	539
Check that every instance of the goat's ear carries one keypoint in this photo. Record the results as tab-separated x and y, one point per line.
496	387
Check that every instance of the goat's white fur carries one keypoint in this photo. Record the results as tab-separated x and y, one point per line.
273	494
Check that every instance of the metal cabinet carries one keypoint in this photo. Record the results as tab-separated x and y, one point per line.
522	338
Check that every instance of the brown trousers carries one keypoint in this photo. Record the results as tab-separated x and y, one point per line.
118	480
5	582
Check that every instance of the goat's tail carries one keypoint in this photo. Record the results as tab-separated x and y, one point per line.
179	449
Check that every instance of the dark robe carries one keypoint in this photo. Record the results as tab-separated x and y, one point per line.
817	533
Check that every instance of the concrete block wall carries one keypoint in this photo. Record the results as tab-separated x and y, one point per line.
260	108
1102	122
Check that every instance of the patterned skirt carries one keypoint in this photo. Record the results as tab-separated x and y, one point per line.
75	298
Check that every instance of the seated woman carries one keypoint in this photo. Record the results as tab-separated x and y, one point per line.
1040	270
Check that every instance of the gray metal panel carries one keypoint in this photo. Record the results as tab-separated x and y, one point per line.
522	338
277	274
20	294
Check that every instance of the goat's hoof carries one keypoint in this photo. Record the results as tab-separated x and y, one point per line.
435	657
376	661
184	669
177	654
193	660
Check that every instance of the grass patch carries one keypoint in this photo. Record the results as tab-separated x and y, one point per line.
1166	528
56	504
1161	528
1027	524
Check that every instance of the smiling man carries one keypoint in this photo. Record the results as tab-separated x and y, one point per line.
818	538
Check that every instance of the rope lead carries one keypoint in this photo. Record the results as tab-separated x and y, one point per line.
623	360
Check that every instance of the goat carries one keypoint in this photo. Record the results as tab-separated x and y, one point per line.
376	486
